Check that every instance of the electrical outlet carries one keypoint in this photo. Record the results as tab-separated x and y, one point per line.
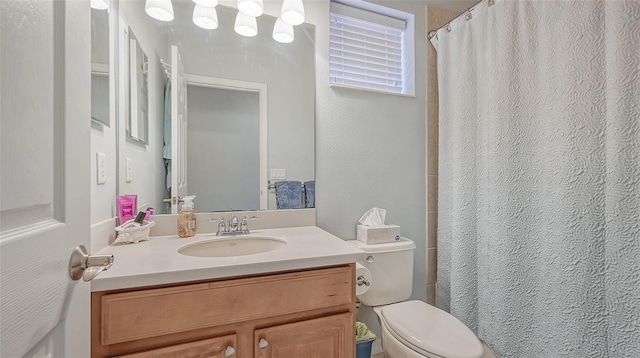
101	168
129	170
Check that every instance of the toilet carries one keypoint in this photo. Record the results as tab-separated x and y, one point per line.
410	329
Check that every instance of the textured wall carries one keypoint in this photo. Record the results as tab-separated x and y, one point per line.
370	149
436	17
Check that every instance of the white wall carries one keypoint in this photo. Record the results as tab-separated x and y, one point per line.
103	196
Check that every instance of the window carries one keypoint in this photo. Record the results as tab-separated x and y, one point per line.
371	48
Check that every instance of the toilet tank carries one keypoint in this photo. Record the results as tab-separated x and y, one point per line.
391	267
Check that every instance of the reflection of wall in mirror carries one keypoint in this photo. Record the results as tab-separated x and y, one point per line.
287	69
147	165
103	136
291	115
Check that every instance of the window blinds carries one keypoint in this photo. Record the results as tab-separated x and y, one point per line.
365	54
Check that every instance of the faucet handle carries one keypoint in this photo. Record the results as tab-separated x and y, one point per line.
243	226
233	223
222	227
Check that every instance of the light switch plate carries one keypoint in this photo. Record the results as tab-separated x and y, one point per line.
101	168
278	174
129	170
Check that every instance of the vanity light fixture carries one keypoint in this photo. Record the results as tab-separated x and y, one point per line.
282	32
246	25
205	17
292	12
159	9
253	8
99	4
206	3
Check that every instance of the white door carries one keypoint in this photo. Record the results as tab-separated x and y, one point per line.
178	130
45	66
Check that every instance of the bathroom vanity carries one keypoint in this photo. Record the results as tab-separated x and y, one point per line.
295	301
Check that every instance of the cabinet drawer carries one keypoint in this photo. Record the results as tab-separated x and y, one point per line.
148	313
221	347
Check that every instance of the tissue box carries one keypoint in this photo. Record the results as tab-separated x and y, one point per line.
378	234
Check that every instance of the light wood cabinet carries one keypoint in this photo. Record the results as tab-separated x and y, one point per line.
307	313
317	338
220	347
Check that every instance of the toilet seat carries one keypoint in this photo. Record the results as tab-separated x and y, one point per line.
430	331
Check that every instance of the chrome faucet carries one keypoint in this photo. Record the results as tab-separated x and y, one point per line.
232	229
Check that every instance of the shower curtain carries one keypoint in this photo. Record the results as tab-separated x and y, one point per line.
539	176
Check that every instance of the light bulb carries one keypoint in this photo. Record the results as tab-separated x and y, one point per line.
282	32
159	9
205	17
99	4
252	8
246	25
206	3
292	12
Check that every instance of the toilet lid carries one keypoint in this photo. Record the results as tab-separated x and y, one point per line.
431	331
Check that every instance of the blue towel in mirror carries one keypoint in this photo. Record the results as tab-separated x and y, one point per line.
310	194
288	194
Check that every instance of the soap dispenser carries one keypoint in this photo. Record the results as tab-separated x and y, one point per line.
187	218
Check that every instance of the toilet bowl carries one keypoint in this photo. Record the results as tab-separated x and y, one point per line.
410	329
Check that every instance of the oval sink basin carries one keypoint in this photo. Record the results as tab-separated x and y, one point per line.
232	246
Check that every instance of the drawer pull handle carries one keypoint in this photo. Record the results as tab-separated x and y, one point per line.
263	343
229	352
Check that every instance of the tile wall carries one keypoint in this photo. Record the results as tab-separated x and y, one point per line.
436	18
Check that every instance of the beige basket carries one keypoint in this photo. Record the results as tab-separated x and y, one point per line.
131	232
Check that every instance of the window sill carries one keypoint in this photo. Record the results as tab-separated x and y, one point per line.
332	85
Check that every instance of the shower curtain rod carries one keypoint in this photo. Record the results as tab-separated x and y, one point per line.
467	12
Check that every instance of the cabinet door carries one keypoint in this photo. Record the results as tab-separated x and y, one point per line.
326	337
220	347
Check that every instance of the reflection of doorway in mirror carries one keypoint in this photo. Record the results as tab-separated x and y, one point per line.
226	153
223	148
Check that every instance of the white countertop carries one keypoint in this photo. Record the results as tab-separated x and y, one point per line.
157	261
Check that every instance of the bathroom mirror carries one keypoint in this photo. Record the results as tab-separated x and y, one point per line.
286	70
137	96
100	62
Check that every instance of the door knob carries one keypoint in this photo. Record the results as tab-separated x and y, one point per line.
229	352
263	343
87	266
